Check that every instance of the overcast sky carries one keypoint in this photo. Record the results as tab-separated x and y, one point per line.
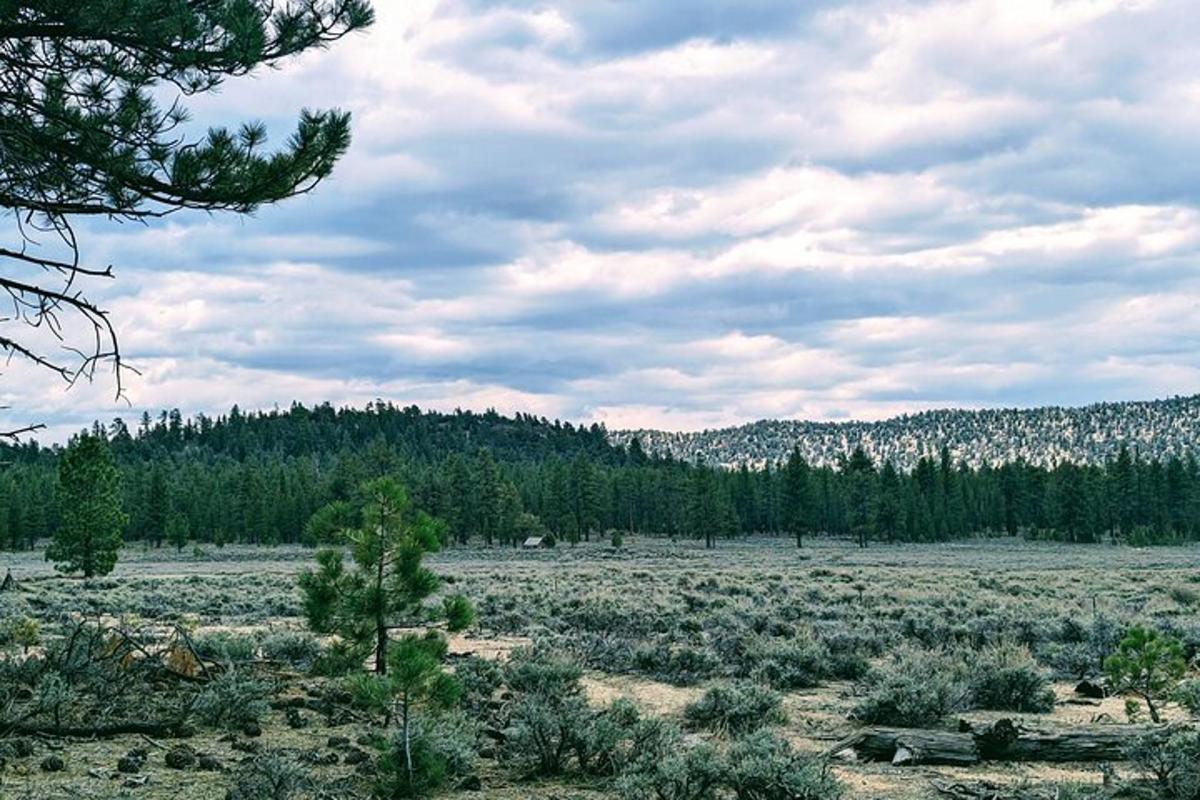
692	214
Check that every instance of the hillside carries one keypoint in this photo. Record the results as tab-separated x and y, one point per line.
1155	429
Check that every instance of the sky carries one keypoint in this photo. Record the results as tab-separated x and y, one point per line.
693	214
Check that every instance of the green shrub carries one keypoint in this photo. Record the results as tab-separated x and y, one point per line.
764	767
299	650
915	688
1005	677
267	777
681	665
22	631
229	648
549	711
1171	759
1187	694
480	678
736	708
611	738
796	664
443	748
231	700
1185	596
681	772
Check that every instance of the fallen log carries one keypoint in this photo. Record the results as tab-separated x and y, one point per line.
1001	740
911	746
1004	740
169	729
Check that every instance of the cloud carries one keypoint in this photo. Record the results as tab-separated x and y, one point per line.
619	212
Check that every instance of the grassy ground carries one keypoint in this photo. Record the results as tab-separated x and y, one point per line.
652	591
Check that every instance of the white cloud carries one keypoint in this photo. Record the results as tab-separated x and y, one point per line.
883	207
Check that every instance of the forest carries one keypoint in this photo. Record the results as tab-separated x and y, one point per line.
258	478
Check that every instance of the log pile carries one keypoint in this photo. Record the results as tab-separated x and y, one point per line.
1001	740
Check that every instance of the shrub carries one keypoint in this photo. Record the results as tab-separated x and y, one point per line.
231	700
480	678
680	773
1171	759
267	777
916	688
1185	596
736	708
1187	694
443	747
764	767
299	650
796	664
230	648
549	713
611	739
22	631
1005	677
681	665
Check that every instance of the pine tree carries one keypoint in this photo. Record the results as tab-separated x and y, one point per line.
177	530
889	506
859	473
89	536
157	507
1122	490
796	495
389	582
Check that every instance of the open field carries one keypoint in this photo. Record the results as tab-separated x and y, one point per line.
656	622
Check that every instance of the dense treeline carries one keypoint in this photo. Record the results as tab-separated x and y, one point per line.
260	477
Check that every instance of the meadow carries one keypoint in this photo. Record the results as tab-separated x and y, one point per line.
811	644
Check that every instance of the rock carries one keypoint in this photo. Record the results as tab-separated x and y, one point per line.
209	763
487	752
495	734
53	764
251	729
130	765
246	747
136	781
1093	689
338	741
180	758
471	783
295	719
354	756
366	769
317	758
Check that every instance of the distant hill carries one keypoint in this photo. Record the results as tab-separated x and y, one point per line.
1155	429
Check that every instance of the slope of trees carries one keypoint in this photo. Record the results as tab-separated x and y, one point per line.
260	477
1157	429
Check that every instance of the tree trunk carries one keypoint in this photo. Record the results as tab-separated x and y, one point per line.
381	635
1001	740
407	741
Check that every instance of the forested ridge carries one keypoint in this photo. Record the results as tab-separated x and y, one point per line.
1093	434
259	477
